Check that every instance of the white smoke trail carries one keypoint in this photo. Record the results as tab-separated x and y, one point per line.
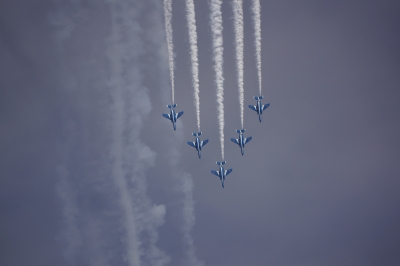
256	8
183	180
189	217
218	49
170	44
238	26
191	18
118	172
185	186
131	156
122	230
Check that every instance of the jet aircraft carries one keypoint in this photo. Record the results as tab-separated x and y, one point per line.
173	116
222	173
198	144
259	107
241	141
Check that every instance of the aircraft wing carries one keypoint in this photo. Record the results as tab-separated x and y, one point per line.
215	172
252	107
192	144
204	142
179	115
265	106
247	140
227	172
166	116
236	141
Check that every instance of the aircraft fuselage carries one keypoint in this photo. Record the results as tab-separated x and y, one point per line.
173	117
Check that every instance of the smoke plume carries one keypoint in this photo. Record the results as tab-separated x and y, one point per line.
191	19
218	49
238	26
170	44
256	8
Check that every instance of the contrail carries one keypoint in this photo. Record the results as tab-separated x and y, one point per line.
170	44
118	171
256	8
218	49
109	218
131	156
238	26
191	19
183	181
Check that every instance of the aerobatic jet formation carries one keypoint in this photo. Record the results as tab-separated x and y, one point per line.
173	116
218	66
222	173
259	107
241	141
198	144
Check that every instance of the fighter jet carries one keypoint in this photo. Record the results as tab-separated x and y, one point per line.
222	173
259	108
173	116
241	141
198	144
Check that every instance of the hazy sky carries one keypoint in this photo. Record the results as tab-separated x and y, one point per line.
92	174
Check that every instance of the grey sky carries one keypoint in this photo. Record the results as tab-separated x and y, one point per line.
91	174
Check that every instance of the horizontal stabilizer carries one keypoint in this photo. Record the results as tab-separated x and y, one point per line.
265	106
196	134
171	106
179	114
215	172
192	144
236	141
238	131
260	97
204	142
227	172
252	107
247	139
166	116
255	98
